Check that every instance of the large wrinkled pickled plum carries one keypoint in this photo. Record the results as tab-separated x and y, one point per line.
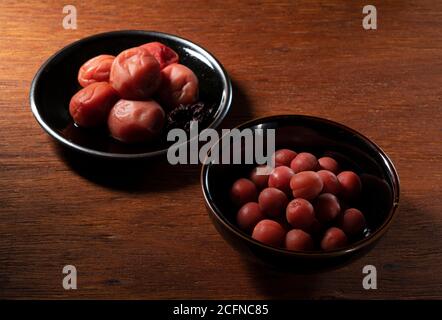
179	85
96	69
162	53
90	106
135	74
135	121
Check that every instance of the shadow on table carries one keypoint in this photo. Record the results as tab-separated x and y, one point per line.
144	175
130	175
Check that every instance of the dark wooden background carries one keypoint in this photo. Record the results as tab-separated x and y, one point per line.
146	234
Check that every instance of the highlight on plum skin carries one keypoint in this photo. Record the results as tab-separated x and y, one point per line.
136	121
96	69
90	106
243	191
269	232
135	74
272	202
249	215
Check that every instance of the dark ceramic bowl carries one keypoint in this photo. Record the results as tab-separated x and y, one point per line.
352	150
56	82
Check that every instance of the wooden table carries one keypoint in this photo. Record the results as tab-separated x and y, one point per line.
147	235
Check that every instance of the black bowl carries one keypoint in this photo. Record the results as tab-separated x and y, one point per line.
353	151
56	82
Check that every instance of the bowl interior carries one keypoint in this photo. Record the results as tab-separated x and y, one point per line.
56	82
322	138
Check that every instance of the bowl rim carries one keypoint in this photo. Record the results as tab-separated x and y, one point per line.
355	247
223	107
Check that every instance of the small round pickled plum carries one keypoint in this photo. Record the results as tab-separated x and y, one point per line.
280	178
306	185
260	180
300	214
243	191
304	161
248	216
298	240
327	207
135	121
96	69
135	74
330	164
90	106
351	185
269	232
272	202
283	157
179	85
353	222
162	53
334	238
330	182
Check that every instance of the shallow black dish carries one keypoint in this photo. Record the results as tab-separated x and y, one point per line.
56	82
321	137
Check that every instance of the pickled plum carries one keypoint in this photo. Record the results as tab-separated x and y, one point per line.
334	238
304	161
272	202
179	85
162	53
243	191
300	214
298	240
135	74
269	232
351	185
306	185
353	222
90	106
135	121
283	157
248	216
280	178
96	69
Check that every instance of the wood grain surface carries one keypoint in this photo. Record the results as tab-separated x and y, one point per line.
143	232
